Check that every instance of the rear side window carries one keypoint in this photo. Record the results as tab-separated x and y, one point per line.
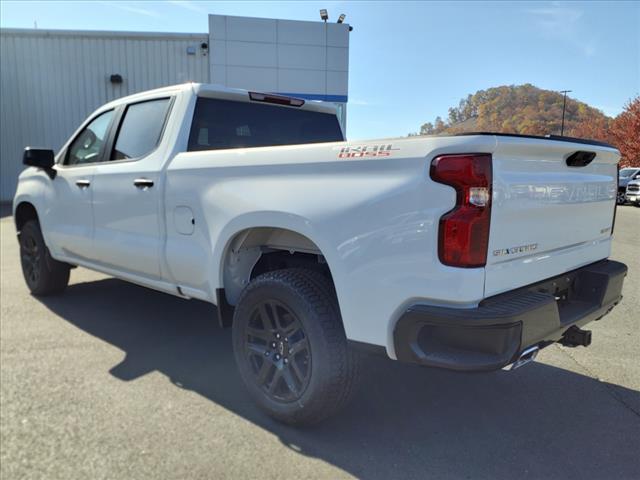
221	124
140	129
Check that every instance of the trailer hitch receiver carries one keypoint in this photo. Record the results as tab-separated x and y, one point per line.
575	337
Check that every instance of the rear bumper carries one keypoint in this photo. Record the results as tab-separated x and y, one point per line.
494	334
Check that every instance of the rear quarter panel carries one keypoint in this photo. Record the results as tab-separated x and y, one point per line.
374	219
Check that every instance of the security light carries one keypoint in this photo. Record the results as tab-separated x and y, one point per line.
324	15
341	18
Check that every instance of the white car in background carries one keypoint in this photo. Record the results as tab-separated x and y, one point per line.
633	192
625	176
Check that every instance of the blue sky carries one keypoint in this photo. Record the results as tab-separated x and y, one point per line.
411	61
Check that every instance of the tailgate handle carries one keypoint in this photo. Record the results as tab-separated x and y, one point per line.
580	158
143	183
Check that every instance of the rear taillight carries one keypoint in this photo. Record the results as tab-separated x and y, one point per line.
463	237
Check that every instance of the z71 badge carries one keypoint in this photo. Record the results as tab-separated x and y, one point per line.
361	151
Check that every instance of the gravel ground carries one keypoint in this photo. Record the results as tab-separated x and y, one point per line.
112	380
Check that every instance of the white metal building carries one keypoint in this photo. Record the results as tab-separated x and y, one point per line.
51	80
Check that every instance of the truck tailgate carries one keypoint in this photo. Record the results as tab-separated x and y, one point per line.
547	218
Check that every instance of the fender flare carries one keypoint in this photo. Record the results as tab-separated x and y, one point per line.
271	219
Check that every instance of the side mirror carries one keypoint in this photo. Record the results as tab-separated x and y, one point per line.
40	158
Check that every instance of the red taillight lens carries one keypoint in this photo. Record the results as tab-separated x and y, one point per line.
463	237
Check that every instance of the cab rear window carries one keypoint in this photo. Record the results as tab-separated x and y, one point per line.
223	124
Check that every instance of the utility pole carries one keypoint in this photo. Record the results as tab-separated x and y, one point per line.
564	105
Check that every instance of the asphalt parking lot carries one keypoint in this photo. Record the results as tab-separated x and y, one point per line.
112	380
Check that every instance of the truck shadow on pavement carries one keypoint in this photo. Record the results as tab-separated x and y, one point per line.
406	421
5	210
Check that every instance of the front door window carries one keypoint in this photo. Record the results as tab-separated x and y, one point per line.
87	146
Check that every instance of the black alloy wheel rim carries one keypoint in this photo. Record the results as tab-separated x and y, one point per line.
30	257
277	349
621	197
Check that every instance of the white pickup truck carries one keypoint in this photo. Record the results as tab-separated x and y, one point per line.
466	252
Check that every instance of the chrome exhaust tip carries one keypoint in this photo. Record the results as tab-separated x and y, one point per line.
527	356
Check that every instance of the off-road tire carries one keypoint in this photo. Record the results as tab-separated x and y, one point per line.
310	297
43	274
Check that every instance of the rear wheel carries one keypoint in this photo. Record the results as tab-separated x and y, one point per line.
43	274
290	346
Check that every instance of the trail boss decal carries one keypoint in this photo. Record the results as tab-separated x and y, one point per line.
361	151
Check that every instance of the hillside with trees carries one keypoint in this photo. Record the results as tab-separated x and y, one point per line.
528	110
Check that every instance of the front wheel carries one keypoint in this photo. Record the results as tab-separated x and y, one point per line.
621	198
43	274
290	346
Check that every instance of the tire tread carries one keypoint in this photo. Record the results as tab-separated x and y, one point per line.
54	275
320	297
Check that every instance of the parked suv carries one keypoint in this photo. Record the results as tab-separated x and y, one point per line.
633	191
624	177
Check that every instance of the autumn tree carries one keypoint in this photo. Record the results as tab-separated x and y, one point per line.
625	133
523	109
427	129
526	109
596	128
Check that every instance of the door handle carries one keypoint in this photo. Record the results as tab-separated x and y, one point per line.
143	183
83	183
